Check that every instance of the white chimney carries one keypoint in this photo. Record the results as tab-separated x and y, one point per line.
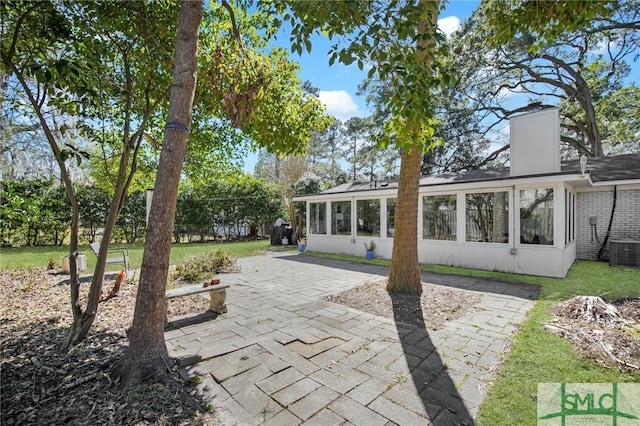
535	142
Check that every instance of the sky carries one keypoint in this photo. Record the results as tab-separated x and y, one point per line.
338	84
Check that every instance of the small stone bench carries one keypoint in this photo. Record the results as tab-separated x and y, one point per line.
217	295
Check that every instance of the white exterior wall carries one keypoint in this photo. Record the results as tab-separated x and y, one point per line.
514	257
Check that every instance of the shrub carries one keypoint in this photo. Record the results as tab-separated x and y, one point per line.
371	246
204	266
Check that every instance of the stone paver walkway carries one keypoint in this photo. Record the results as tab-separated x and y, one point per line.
283	356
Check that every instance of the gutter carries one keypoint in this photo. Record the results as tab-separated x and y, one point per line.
455	186
615	182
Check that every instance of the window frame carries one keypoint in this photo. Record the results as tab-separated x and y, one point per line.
525	238
506	221
375	226
453	200
349	222
311	216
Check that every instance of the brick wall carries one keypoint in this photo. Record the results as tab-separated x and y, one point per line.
626	220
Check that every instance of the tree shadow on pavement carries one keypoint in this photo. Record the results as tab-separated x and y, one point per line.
431	377
486	285
190	319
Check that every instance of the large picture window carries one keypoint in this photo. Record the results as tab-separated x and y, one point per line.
368	215
317	220
391	216
341	218
439	217
487	217
536	216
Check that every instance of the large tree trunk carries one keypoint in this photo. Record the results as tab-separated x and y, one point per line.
404	273
146	357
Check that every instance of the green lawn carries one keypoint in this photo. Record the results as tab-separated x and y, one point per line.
30	257
537	356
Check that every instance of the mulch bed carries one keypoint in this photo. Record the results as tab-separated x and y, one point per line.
43	384
437	304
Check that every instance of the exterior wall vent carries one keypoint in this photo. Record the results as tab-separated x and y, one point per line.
624	253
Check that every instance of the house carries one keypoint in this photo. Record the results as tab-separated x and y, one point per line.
536	217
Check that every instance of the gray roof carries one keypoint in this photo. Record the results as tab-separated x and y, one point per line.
601	169
605	169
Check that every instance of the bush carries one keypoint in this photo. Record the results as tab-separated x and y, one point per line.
204	266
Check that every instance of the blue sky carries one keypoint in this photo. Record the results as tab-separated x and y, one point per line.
338	83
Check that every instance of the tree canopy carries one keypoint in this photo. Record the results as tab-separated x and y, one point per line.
577	69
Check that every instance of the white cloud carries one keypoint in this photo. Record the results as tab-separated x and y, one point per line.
449	25
339	103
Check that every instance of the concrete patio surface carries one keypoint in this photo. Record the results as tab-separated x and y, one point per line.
284	356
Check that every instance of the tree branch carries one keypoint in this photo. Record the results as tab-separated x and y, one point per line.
234	25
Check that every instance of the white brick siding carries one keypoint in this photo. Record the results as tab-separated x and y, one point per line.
625	225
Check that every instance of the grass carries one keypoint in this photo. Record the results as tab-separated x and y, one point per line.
585	277
32	257
538	356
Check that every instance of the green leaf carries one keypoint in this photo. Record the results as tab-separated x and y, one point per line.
371	73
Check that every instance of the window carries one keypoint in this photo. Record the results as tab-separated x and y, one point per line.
317	220
341	218
368	215
569	211
573	215
487	217
536	216
567	225
439	217
391	216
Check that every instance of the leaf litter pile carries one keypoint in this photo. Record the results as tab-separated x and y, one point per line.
43	384
609	333
436	306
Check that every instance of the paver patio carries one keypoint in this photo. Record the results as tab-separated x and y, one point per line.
284	356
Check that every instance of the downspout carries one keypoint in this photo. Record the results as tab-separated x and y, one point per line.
354	221
514	235
613	210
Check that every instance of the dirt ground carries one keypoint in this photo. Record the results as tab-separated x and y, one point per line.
42	384
437	304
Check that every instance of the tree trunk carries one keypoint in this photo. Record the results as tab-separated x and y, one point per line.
146	357
404	272
82	321
74	287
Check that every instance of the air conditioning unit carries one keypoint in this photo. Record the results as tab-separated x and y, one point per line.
624	253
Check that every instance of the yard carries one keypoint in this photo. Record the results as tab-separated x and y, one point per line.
537	355
35	315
